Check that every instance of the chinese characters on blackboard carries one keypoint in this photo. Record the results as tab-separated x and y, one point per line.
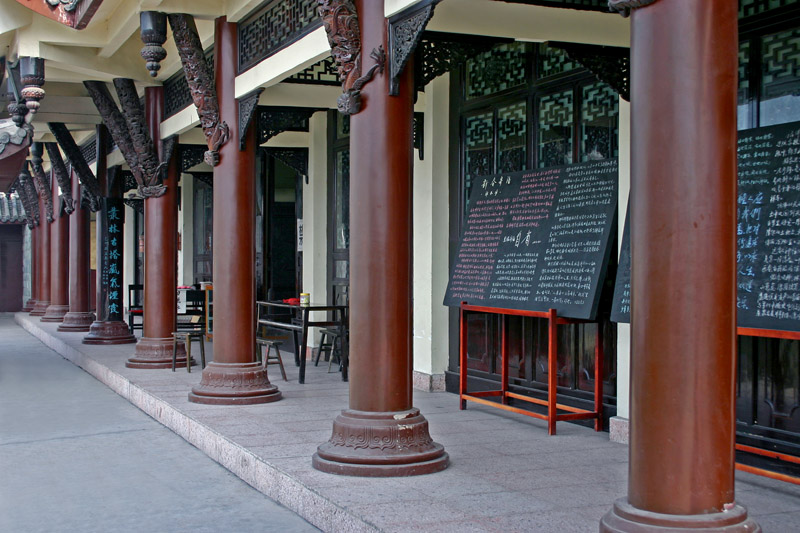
536	240
112	260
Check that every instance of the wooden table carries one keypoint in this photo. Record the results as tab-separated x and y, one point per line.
305	315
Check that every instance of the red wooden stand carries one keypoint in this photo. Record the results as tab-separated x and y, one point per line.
552	416
773	334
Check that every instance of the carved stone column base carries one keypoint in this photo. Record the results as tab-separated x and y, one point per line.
373	444
29	305
156	353
234	384
55	313
625	518
109	332
40	307
76	322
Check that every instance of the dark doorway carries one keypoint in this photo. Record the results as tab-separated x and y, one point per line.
203	226
10	268
338	208
282	202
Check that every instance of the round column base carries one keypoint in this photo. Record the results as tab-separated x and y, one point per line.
40	307
373	444
29	305
625	518
109	332
156	352
76	321
234	384
55	313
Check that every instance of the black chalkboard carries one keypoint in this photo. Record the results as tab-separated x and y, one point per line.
621	304
538	239
767	232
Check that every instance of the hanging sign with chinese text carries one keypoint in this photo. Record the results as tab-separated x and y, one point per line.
113	215
538	239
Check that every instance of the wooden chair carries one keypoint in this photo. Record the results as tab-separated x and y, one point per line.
187	337
270	359
135	294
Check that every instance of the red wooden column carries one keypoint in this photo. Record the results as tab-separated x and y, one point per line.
107	327
382	434
31	303
79	318
683	240
59	260
233	377
154	349
43	261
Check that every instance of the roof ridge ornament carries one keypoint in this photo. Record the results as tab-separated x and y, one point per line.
624	7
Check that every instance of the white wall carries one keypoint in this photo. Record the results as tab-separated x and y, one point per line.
431	227
186	229
624	330
315	214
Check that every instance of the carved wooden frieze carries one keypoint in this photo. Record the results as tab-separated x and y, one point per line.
405	32
247	110
62	177
200	78
43	189
340	20
78	162
624	7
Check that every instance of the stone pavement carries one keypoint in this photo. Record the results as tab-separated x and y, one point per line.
74	456
506	473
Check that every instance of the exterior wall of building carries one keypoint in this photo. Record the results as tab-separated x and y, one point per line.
431	240
315	214
186	229
26	264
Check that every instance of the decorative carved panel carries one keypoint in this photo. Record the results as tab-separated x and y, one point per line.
274	26
320	73
275	120
294	158
247	110
609	64
191	155
405	32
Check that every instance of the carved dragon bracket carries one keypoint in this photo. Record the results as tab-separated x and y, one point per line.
27	194
200	79
43	189
62	177
405	32
340	20
78	163
130	134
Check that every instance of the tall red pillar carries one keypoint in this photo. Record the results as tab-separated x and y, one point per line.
154	349
108	327
683	240
43	259
31	303
381	408
233	377
59	260
79	318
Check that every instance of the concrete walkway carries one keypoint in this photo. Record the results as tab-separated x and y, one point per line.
74	456
506	473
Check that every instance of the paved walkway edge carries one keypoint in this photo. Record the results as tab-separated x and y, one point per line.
253	470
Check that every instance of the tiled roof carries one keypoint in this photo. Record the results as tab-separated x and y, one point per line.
11	210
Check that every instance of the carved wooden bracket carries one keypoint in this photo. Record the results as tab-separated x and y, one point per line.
200	79
168	146
148	172
27	193
340	19
247	110
43	189
62	177
626	6
78	162
405	32
146	157
610	64
275	120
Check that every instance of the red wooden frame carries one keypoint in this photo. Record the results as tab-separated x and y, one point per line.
772	334
553	407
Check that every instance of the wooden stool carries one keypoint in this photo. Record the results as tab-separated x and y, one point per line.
331	343
187	337
267	360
